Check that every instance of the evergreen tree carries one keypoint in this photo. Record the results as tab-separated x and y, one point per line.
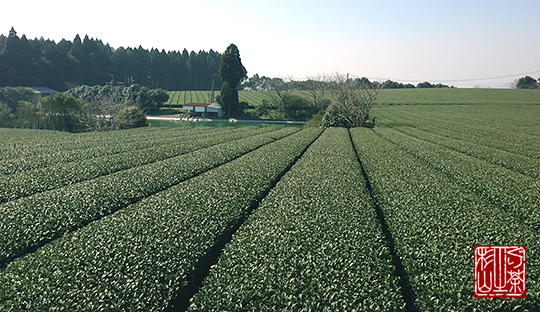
527	82
232	72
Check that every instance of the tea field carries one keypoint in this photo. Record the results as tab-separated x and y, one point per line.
273	218
389	96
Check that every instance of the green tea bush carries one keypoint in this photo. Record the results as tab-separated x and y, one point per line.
314	244
26	183
514	192
32	221
143	256
23	154
527	165
435	223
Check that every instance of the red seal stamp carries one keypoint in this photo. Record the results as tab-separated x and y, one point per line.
499	271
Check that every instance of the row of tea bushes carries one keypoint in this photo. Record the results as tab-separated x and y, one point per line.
23	142
489	122
32	221
314	244
513	142
85	146
522	164
43	179
435	223
143	256
33	142
515	192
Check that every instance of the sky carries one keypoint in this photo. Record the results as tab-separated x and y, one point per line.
472	43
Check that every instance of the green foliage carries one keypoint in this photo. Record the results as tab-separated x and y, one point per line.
232	72
400	96
497	184
231	69
434	96
142	256
125	220
130	117
89	61
27	115
316	120
333	117
133	95
49	150
389	84
435	222
227	98
66	209
58	111
6	116
28	173
13	95
527	82
504	127
427	85
314	243
296	107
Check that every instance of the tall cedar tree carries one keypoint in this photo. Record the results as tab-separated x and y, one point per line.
232	72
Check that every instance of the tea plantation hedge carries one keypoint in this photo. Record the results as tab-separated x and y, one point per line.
314	244
436	222
143	256
32	221
26	183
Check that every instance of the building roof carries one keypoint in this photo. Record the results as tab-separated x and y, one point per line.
38	90
44	90
210	105
198	104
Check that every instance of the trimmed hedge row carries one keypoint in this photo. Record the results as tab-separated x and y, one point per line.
85	146
141	257
435	223
514	142
33	142
314	244
24	142
513	124
39	180
32	221
522	164
517	193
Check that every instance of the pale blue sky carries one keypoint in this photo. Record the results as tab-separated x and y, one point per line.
409	41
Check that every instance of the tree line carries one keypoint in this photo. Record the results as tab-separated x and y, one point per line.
66	64
263	83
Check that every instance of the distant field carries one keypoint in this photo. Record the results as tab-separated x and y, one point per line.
393	96
460	96
183	97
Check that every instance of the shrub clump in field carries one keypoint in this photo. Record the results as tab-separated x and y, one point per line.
352	100
130	117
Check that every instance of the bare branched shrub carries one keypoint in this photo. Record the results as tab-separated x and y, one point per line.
352	101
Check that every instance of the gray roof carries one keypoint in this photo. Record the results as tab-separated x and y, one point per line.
43	90
38	90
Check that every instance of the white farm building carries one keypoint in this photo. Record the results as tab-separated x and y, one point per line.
207	109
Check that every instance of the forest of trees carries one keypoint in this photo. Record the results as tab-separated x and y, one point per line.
66	64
